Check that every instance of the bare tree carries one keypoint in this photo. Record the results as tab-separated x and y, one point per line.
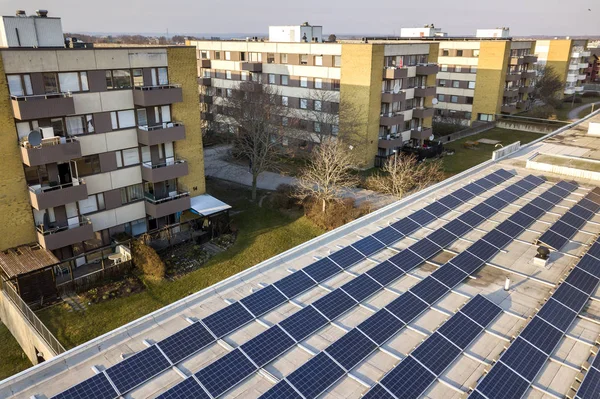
256	111
548	87
328	173
324	112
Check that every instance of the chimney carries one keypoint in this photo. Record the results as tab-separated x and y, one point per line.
20	13
42	13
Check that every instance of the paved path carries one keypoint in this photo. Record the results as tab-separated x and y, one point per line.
216	165
574	113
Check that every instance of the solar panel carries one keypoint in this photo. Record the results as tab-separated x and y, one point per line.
564	229
482	250
589	205
388	235
541	204
474	189
228	319
507	196
294	284
590	264
596	362
185	342
436	209
450	201
460	330
504	174
361	287
466	262
378	392
481	310
582	212
594	250
334	304
517	190
495	202
408	379
381	326
429	290
457	227
266	346
322	269
449	275
521	219
406	307
351	349
425	248
346	257
590	387
582	280
497	239
368	246
557	314
263	300
281	390
476	395
96	387
225	373
137	369
471	218
542	335
494	178
188	388
535	180
303	323
385	272
436	353
509	228
421	217
407	226
550	197
573	220
553	240
561	192
501	382
462	195
570	296
441	237
315	376
569	186
524	358
532	211
406	260
485	183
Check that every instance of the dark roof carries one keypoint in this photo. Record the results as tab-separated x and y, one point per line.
25	259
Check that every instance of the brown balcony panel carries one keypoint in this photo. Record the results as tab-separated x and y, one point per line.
511	93
40	107
206	99
422	134
395	73
525	89
204	63
157	210
509	109
528	75
393	97
530	59
162	135
423	112
425	91
204	81
391	120
517	61
431	69
35	156
158	95
166	172
61	195
513	77
207	116
252	66
391	143
66	237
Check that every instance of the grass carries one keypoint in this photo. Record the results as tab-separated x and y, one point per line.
568	162
263	233
13	357
464	159
585	112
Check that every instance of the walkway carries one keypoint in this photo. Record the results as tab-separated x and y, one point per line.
574	113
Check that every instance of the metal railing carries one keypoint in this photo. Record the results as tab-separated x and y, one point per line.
41	96
164	125
150	198
168	162
44	189
159	87
33	320
53	230
50	141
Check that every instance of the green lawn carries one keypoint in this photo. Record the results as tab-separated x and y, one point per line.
263	233
13	358
588	110
464	159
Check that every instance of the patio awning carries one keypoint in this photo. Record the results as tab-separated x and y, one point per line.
205	205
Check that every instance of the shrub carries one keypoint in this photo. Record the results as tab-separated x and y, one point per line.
542	112
283	197
147	261
591	94
444	129
339	212
569	99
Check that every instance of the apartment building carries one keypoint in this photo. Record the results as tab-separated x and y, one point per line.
568	57
377	94
94	141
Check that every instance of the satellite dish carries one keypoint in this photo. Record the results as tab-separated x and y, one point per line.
434	101
396	88
431	138
34	138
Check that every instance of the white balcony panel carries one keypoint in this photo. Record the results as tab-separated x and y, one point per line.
454	91
130	212
98	183
468	77
87	103
470	61
126	177
410	93
412	71
121	139
103	220
454	106
405	49
116	100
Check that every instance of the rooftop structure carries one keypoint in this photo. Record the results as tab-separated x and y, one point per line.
426	31
304	33
496	33
22	30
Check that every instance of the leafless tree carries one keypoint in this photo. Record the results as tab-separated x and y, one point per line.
324	112
328	173
548	87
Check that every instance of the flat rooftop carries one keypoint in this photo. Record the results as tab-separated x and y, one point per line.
530	285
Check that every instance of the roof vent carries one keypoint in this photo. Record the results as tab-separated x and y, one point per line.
42	13
20	13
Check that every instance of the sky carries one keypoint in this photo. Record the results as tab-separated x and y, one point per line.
382	17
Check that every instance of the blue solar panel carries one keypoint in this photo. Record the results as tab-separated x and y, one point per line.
188	388
351	349
471	218
496	203
294	284
557	314
570	296
137	369
582	280
542	335
524	358
407	307
406	260
462	195
96	387
436	353
481	310
334	304
596	362
303	323
378	392
533	179
590	265
361	287
541	204
381	326
460	330
225	373
185	342
266	346
482	250
568	186
590	387
509	228
408	379
457	227
561	192
263	300
504	174
550	197
533	211
507	196
485	183
385	272
315	376
441	237
553	240
466	262
564	229
388	235
474	189
521	219
495	178
572	220
476	395
281	390
226	320
582	212
450	201
422	217
589	205
517	190
407	226
425	248
368	246
449	275
346	257
497	239
436	209
502	382
322	269
429	290
594	250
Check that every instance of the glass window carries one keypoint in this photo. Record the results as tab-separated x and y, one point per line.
318	60
454	99
441	97
205	55
469	100
163	77
317	127
50	83
303	81
118	79
444	68
271	79
284	80
84	81
284	101
132	193
229	92
445	53
471	85
270	58
285	121
228	55
335	129
318	83
255	77
475	53
455	83
80	124
337	60
69	81
244	75
318	105
458	68
122	119
217	55
303	59
88	165
442	83
228	75
335	84
19	85
303	103
473	69
284	58
459	53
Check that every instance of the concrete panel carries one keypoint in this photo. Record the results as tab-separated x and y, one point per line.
126	177
92	144
103	220
470	61
455	92
112	59
53	198
80	60
169	207
130	212
121	139
405	49
316	71
87	103
471	77
29	61
116	100
148	58
98	183
227	65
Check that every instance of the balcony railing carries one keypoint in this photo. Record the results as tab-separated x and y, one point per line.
160	133
44	197
390	141
170	169
391	118
204	80
425	91
427	69
54	237
422	112
42	106
586	53
252	66
390	97
159	207
51	150
421	133
395	73
149	96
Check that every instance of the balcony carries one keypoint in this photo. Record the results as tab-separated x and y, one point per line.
252	66
512	92
583	65
421	133
395	73
390	142
44	197
42	106
150	96
52	150
391	119
517	60
526	89
576	55
204	81
573	67
586	53
509	108
423	112
159	134
178	202
171	169
530	59
204	63
427	69
206	99
528	74
391	97
581	77
78	230
425	91
569	90
571	78
513	76
578	89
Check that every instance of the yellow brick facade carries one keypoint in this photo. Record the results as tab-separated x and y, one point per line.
491	77
559	56
16	219
434	49
183	69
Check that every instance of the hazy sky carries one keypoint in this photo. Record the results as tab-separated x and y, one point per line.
457	17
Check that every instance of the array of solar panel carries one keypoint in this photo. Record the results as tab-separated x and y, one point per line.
132	372
569	224
519	365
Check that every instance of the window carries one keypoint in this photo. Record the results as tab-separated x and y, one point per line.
93	203
118	79
228	75
303	59
453	99
19	85
132	193
284	101
88	165
442	83
204	54
284	80
228	55
441	97
271	79
270	58
303	103
469	100
255	77
445	53
127	157
136	227
317	105
468	115
485	117
455	84
335	84
319	60
335	129
284	58
73	81
459	53
50	82
473	69
138	77
318	83
285	121
303	81
229	92
444	68
458	68
337	60
475	53
80	124
122	119
471	85
217	55
244	75
317	127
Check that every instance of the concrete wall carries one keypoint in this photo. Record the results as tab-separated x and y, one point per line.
525	126
491	76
